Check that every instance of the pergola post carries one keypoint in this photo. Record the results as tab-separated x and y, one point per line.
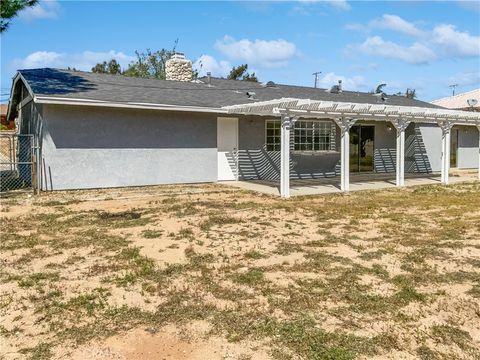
345	124
401	125
478	127
285	157
446	127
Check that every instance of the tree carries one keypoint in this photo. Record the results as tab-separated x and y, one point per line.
379	89
150	64
112	67
411	93
10	8
240	73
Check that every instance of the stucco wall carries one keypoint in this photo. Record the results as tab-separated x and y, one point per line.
87	147
467	156
257	163
416	156
431	137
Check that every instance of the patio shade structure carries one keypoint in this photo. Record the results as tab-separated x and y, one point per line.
345	114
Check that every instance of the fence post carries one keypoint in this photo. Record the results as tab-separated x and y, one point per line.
34	173
38	164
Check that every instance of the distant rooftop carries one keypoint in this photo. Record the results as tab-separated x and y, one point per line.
459	101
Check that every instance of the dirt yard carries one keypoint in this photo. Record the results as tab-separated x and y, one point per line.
212	272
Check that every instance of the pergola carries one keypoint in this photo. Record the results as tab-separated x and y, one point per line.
345	114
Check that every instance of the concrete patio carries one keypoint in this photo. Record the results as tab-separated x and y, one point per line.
358	182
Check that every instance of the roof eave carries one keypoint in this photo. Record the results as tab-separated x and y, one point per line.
18	76
125	105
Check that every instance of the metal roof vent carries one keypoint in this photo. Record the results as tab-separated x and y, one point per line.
209	79
381	96
336	89
270	84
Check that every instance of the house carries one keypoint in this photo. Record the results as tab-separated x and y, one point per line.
467	101
98	130
5	125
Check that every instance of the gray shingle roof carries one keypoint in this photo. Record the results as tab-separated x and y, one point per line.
118	88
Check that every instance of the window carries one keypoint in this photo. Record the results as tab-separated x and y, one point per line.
273	133
307	135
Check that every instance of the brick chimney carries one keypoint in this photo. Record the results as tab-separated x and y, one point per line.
178	68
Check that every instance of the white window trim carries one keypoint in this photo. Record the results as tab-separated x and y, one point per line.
266	136
292	136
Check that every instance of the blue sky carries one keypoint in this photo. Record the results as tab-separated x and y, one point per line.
419	44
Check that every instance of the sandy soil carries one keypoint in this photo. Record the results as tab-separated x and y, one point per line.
212	272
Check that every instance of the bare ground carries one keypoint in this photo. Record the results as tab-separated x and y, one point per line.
211	272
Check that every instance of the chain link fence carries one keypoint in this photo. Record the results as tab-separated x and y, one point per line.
18	168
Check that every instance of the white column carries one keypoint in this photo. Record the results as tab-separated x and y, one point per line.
401	126
285	157
446	126
443	157
345	125
478	127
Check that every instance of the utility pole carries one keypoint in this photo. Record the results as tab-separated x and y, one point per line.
453	86
316	77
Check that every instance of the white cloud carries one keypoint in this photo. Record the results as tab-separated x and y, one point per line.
465	78
395	23
441	42
207	63
81	61
354	83
43	10
376	46
388	22
338	4
454	42
263	53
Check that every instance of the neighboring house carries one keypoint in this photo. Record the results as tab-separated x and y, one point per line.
4	124
99	130
467	101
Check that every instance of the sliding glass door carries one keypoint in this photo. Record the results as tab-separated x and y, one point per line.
362	139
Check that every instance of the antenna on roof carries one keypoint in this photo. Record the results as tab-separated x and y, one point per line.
472	103
316	77
453	86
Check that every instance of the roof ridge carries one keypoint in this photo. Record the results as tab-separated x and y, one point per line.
107	75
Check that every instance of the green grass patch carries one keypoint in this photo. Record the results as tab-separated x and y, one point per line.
218	220
37	278
42	351
254	254
251	277
152	234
